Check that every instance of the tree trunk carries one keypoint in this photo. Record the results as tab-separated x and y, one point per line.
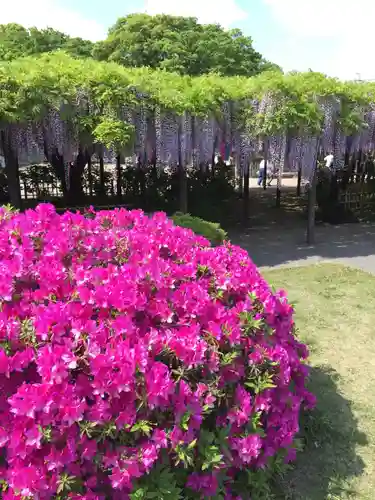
311	202
213	165
57	163
281	171
76	194
246	191
142	181
278	197
310	235
183	202
12	171
240	173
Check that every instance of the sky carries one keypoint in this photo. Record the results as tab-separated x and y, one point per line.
331	36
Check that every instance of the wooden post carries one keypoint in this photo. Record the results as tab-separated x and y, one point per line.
213	165
359	166
193	143
265	164
89	170
278	197
311	202
238	174
299	178
142	179
310	235
246	186
101	175
183	189
118	177
279	179
361	199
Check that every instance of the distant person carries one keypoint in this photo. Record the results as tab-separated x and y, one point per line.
329	160
262	167
261	172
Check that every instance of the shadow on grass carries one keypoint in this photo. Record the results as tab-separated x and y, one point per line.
328	463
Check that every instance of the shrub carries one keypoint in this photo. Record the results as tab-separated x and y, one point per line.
210	230
139	362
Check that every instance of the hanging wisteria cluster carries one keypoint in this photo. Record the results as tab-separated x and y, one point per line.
170	139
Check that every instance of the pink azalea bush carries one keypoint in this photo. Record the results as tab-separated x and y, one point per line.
137	361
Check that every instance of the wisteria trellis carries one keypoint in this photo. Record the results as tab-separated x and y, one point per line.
172	139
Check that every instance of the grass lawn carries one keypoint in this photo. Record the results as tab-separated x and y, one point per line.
335	316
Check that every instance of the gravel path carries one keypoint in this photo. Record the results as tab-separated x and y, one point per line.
349	244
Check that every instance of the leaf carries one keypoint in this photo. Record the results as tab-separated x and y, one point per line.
142	426
138	494
184	424
192	444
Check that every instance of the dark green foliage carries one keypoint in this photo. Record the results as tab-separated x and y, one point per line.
179	44
210	230
17	41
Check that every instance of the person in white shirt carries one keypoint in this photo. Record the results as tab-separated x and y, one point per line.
270	169
329	160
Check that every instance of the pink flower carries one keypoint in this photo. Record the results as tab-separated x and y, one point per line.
33	437
28	481
242	411
89	448
159	437
122	340
121	478
149	455
159	385
206	484
55	362
248	448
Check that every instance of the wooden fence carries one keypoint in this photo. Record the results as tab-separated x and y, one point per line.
357	200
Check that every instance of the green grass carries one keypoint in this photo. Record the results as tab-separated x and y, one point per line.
335	316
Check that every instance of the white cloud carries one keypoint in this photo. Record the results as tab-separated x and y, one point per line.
310	17
344	24
43	13
224	12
